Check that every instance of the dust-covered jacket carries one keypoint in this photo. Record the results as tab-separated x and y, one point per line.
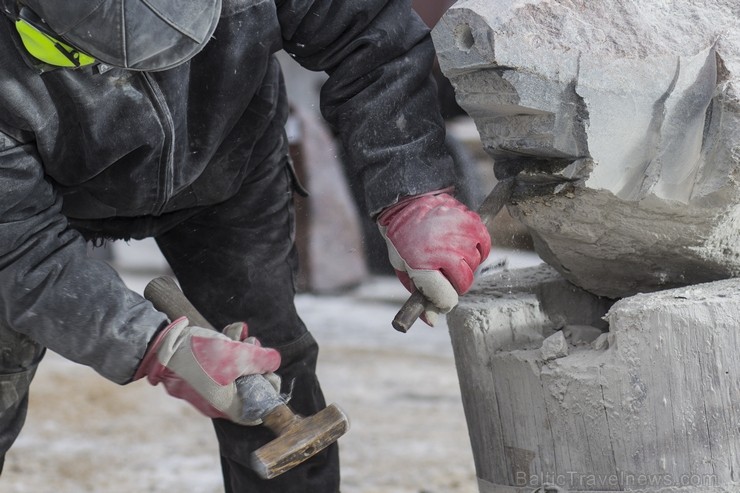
87	144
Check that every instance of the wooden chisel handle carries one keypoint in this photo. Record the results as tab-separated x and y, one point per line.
166	296
409	312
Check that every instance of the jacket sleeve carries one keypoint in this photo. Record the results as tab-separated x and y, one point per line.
50	290
379	97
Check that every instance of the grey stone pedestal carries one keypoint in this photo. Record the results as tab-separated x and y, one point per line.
563	388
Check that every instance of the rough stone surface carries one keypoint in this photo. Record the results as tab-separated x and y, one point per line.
651	406
638	100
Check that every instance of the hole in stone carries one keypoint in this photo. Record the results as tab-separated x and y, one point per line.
464	37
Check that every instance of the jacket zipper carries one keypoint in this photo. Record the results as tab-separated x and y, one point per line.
167	160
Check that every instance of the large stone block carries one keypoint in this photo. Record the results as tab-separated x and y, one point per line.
639	101
649	404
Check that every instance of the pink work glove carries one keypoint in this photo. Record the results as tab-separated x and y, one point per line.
435	244
201	365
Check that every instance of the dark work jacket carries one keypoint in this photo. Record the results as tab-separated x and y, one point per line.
81	144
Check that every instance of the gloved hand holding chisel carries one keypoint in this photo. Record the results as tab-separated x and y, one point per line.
435	244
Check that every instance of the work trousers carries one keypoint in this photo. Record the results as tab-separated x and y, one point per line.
235	261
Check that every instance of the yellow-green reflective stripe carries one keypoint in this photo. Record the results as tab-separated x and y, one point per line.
42	47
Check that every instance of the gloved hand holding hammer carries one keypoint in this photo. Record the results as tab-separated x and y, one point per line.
435	244
229	375
201	366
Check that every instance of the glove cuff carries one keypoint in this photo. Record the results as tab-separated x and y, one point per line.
386	214
150	357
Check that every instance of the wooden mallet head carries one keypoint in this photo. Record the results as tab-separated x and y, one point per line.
298	438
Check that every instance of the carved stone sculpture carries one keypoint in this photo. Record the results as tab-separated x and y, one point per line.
639	101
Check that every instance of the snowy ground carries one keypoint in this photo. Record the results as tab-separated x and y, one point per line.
408	432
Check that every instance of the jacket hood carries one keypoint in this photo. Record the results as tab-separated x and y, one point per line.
146	35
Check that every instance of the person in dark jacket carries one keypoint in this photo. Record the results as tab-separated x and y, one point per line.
165	119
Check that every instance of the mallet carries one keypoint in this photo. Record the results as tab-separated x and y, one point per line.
298	438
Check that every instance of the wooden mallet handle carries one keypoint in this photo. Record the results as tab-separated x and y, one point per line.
165	295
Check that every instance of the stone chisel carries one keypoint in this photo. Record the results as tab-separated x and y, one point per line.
298	438
520	186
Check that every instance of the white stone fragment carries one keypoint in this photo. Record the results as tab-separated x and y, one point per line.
554	347
600	343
